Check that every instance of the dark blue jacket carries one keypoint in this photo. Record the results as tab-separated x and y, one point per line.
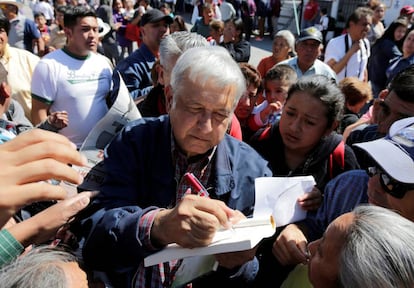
398	65
136	73
382	53
140	177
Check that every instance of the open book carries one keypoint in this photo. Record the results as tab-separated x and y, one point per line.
244	235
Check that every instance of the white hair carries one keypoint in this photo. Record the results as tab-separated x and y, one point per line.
378	251
289	37
175	44
38	268
205	65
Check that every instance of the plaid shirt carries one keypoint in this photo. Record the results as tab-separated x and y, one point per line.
162	275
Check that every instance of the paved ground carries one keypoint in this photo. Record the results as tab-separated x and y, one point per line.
259	49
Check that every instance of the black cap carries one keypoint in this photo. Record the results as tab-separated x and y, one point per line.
154	16
310	33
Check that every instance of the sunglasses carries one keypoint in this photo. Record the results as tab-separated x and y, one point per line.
4	6
391	186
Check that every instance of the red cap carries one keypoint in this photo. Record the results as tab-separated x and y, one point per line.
407	10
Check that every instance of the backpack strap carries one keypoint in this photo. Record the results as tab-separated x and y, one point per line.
337	156
265	133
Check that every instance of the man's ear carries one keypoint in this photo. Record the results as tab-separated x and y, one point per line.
68	32
168	97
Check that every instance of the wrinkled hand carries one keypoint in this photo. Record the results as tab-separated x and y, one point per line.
312	200
290	246
27	161
58	119
192	223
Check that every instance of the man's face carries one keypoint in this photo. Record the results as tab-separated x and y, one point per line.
307	52
153	33
391	110
360	29
324	262
246	103
378	196
200	115
9	10
83	37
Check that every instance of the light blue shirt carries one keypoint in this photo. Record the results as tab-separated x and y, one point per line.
318	68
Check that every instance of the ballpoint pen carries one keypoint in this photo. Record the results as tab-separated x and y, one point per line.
199	189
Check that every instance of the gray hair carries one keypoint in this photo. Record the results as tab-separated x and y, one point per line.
289	37
205	65
378	251
38	268
175	44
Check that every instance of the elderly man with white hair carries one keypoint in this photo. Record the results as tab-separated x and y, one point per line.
145	203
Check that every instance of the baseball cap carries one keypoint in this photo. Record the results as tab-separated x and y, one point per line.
154	16
19	4
407	10
310	33
395	152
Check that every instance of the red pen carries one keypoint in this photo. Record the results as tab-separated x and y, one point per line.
199	189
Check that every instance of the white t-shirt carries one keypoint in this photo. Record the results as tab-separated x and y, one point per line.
76	86
336	49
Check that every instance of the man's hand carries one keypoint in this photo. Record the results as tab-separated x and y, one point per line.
356	46
290	246
27	161
192	223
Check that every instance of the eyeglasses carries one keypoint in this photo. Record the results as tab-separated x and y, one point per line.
391	186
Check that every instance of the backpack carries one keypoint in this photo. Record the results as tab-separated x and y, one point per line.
337	158
331	24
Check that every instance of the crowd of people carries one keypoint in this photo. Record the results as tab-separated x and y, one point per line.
341	112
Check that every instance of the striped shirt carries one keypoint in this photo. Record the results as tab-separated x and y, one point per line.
10	248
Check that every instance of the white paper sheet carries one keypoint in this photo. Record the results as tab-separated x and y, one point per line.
278	196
